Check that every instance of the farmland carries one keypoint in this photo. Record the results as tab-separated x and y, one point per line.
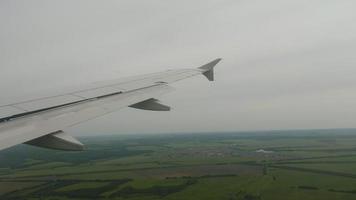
305	164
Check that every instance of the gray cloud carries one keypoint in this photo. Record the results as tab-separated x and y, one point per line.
287	64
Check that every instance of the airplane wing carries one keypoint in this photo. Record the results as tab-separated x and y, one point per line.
41	121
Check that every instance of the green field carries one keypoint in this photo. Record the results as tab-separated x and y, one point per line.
288	165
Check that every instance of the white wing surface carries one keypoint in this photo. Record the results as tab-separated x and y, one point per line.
41	121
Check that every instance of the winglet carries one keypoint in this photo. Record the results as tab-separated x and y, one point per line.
208	69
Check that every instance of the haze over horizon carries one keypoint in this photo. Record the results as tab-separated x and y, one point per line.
286	64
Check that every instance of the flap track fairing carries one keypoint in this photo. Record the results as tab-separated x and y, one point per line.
152	105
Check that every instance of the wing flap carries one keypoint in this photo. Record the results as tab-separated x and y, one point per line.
47	102
88	94
6	111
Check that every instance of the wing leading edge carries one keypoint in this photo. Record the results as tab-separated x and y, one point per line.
41	121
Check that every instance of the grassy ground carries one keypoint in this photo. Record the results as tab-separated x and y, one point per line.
295	165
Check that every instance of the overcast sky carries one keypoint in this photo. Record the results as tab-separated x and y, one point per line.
288	64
